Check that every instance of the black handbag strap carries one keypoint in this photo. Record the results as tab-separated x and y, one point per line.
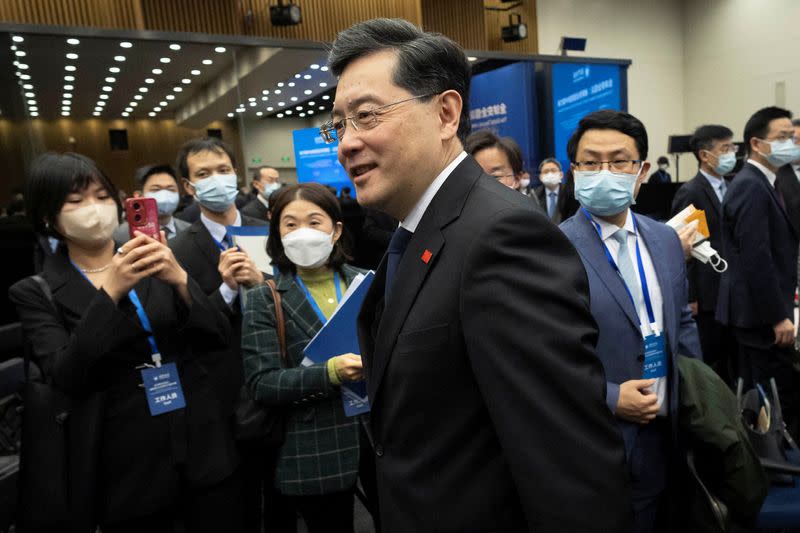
280	322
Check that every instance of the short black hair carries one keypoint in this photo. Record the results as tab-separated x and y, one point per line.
144	173
257	172
796	122
427	63
608	119
758	125
203	144
553	160
704	137
319	195
662	160
54	176
482	139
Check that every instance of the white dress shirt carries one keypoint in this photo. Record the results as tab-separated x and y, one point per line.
415	215
767	172
607	231
716	183
218	232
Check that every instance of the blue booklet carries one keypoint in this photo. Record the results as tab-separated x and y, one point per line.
340	335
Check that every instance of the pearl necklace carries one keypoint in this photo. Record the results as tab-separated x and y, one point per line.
95	270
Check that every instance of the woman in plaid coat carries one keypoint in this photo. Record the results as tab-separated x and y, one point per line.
318	462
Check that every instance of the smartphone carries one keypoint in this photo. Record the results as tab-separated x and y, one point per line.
142	215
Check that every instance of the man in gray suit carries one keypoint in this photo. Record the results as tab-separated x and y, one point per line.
159	182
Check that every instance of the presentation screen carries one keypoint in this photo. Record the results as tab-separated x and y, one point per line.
317	161
579	89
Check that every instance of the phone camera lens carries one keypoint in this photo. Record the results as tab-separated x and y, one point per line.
137	205
137	217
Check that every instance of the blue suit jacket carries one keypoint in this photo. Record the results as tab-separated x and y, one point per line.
620	346
760	245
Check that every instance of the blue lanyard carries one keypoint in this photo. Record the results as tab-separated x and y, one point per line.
134	298
311	298
645	290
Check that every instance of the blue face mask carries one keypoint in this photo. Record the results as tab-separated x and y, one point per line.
604	193
166	200
216	193
725	163
783	152
269	189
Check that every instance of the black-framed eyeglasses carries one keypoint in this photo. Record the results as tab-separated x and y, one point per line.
360	120
616	165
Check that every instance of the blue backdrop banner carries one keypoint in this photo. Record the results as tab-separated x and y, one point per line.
317	161
504	101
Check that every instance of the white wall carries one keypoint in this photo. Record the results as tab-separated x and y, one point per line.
271	140
650	33
738	52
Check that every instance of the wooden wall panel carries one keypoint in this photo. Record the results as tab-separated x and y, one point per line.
204	16
149	141
495	20
99	13
461	20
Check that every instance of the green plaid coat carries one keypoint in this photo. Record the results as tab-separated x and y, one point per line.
321	451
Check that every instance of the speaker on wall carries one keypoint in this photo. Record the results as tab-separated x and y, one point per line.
214	133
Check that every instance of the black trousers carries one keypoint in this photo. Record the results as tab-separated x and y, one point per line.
719	346
265	509
215	508
326	513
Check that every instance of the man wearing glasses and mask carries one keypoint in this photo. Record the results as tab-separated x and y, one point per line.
637	279
476	425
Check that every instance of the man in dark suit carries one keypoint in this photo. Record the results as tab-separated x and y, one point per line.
208	168
550	194
476	425
715	151
756	294
266	180
637	279
787	182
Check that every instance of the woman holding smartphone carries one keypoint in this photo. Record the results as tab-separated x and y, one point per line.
318	463
111	319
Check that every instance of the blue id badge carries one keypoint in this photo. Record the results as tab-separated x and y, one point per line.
655	357
163	389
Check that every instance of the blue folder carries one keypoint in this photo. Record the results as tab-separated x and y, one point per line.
340	335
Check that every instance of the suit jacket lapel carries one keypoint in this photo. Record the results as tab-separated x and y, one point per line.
709	191
70	288
591	248
428	241
205	242
775	196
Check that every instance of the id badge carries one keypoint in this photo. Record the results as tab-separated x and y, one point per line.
163	388
655	357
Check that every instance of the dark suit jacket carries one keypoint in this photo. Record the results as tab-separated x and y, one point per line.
760	245
789	186
541	197
620	345
477	425
88	344
255	209
703	280
197	251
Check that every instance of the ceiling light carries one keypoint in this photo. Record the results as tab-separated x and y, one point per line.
207	62
126	115
280	84
149	80
265	91
240	110
252	104
72	55
314	66
281	104
186	81
280	115
17	39
65	114
220	49
96	114
133	104
175	47
101	103
323	84
13	47
322	108
69	78
291	84
324	69
165	60
110	79
231	115
143	89
157	71
307	91
114	70
326	97
299	108
16	64
119	58
251	99
28	86
311	103
297	76
151	114
270	109
33	108
163	103
107	88
126	44
307	77
31	102
516	29
260	114
288	112
277	91
34	114
138	97
20	53
23	66
302	114
65	108
170	97
30	95
23	76
472	58
310	111
177	89
68	95
264	98
293	98
73	41
195	72
128	109
156	109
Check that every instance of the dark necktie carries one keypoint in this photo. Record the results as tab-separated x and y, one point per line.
227	241
551	209
394	253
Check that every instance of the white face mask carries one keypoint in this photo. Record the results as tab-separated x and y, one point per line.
551	178
91	225
308	248
523	183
